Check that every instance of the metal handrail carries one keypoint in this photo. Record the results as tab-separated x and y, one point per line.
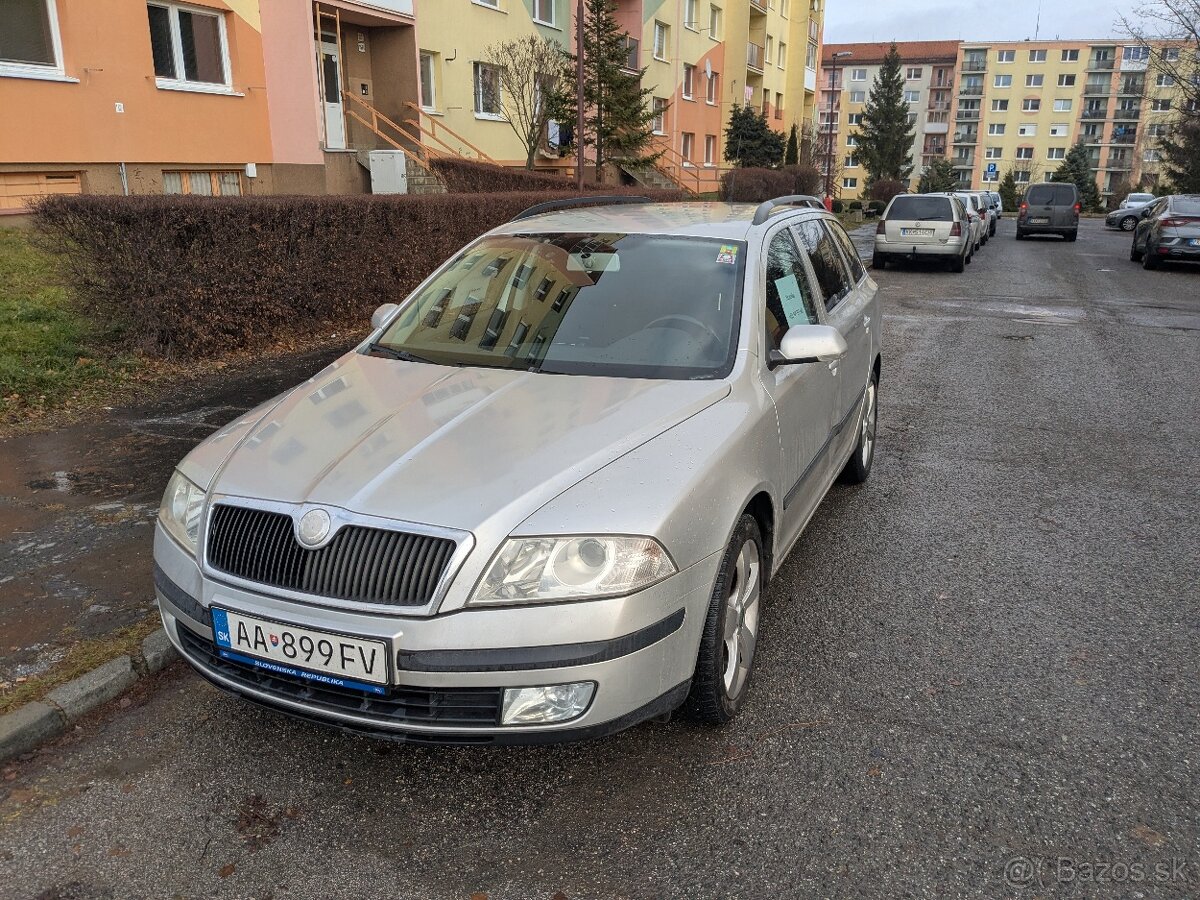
676	170
418	149
450	150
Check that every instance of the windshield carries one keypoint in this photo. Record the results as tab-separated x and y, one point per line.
1051	195
630	305
1139	198
922	209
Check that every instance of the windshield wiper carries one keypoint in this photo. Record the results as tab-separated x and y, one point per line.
393	353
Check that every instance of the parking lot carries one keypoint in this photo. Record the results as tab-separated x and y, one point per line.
978	673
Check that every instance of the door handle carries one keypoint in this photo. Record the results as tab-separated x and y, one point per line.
833	366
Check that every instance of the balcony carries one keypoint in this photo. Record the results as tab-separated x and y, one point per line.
966	137
754	57
971	90
965	162
1119	165
1095	114
1135	89
1096	90
1099	65
967	115
758	6
931	156
938	105
974	65
1127	115
1124	138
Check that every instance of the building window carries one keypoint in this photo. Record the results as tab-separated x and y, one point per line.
996	128
992	153
710	149
781	59
1056	153
851	161
1164	81
543	12
1070	56
1160	105
854	119
1002	81
689	81
689	147
1152	156
189	46
203	184
912	96
913	73
810	60
1024	153
852	140
784	7
428	91
1170	54
660	41
999	106
858	74
1066	81
850	183
778	105
858	96
714	22
1037	55
660	115
1027	129
710	89
1136	54
689	15
990	177
768	50
1062	105
1006	55
29	39
1035	80
1031	105
1021	177
487	91
633	60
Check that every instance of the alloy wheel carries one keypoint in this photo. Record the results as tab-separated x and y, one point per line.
869	422
741	619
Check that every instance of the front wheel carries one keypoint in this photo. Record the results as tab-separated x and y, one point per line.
1129	223
878	261
858	467
726	657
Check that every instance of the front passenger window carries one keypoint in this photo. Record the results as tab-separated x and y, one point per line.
789	297
831	273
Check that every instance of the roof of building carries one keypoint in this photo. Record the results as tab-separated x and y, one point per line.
910	51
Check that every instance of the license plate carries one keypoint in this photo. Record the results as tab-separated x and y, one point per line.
916	232
1041	220
1194	242
320	656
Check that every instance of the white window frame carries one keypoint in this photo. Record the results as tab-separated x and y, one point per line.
688	90
912	96
476	96
858	74
659	125
1037	56
1067	79
690	11
913	73
851	162
1006	56
710	150
182	84
1062	105
1070	56
850	184
993	152
1024	153
710	89
769	50
714	22
1027	129
860	95
1056	153
687	146
1000	105
781	55
550	4
1001	81
427	103
1031	104
660	28
42	71
995	129
1035	80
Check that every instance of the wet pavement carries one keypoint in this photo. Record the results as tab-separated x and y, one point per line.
77	508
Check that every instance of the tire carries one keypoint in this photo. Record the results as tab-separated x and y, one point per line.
719	686
1149	259
1071	236
970	256
1020	235
957	265
1135	255
878	261
858	466
1129	223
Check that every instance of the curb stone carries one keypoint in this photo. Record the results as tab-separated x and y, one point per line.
29	725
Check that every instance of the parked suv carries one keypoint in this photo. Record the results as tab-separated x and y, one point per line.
916	225
1169	231
1050	208
542	500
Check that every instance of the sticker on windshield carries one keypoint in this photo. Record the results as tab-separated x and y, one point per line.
791	298
727	254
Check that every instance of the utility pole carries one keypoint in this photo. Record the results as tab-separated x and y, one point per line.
833	92
579	97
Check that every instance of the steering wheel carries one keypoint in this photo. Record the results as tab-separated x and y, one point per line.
692	326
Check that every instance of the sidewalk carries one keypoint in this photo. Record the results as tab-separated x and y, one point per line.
77	511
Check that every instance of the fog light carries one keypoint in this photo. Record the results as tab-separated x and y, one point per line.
551	703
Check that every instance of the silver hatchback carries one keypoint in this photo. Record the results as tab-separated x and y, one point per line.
542	499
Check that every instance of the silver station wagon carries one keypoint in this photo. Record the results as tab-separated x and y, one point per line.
542	500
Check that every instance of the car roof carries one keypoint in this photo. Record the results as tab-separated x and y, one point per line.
721	221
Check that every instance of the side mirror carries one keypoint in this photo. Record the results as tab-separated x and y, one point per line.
1145	213
807	344
382	314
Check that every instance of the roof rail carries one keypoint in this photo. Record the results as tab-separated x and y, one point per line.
603	199
765	209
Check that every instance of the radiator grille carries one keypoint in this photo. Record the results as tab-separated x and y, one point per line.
365	565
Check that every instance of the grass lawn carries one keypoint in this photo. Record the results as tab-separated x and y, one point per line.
49	353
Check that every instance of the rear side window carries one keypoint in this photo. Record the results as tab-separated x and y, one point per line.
789	295
922	209
843	240
826	262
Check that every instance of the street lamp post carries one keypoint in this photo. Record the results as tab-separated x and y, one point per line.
833	92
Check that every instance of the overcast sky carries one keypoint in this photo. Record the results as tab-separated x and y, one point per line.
848	21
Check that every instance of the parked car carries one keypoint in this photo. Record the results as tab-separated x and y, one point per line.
542	500
929	225
989	210
1127	214
1169	231
975	216
997	204
1049	208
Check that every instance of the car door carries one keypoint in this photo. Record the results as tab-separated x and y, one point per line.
1146	223
844	310
804	395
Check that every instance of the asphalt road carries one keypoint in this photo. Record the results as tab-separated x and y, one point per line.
987	653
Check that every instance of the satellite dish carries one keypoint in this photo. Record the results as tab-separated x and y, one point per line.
708	68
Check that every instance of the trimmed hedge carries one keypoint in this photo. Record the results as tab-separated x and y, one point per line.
855	204
190	277
756	185
465	176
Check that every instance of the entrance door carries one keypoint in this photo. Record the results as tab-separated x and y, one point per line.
331	78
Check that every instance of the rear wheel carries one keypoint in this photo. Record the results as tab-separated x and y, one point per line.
957	264
858	466
1149	258
878	261
726	658
1072	236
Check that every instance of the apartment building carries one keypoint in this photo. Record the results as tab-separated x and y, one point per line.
1020	106
208	97
929	78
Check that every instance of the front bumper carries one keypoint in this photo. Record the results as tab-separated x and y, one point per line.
448	672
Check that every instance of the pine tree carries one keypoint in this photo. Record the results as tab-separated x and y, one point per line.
938	176
618	118
886	137
750	141
1009	196
1181	157
791	155
1076	168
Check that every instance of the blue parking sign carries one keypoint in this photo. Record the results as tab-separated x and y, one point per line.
992	169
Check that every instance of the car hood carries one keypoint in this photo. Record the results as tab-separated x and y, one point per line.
453	447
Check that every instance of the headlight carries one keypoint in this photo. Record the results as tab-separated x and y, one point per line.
180	510
545	569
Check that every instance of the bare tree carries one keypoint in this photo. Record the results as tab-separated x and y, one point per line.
527	69
1170	30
